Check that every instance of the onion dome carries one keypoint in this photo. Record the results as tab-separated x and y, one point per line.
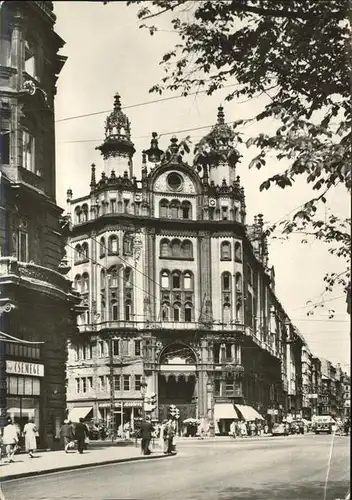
117	133
154	153
217	145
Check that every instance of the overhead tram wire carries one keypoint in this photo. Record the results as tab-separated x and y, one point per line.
132	267
159	135
145	103
158	284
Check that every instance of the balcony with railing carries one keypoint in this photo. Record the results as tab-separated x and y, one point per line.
14	271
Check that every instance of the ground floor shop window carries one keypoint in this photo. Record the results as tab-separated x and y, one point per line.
21	408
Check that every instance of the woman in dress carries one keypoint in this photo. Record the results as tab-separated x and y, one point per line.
29	432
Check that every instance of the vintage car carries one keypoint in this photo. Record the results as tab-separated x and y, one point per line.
323	423
280	430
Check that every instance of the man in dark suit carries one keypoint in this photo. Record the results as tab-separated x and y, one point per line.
81	433
146	435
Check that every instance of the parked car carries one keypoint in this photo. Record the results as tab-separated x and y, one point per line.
280	430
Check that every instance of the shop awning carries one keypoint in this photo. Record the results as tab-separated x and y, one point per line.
224	411
79	412
248	413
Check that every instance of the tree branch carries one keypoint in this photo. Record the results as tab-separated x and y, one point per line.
239	6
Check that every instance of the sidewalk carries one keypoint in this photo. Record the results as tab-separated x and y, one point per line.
56	461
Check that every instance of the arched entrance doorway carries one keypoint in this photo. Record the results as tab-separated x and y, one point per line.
177	382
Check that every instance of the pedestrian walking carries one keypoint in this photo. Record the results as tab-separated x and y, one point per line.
30	431
243	429
10	439
146	435
67	434
81	433
169	434
163	436
233	429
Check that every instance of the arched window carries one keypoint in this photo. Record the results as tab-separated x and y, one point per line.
78	253
78	213
113	245
238	310
102	310
128	277
165	311
187	280
163	208
238	282
226	296
225	250
238	252
114	278
127	244
164	247
175	209
176	279
85	283
102	249
85	213
188	311
85	251
226	282
176	248
128	310
186	210
77	282
114	310
102	279
226	315
164	278
187	249
176	311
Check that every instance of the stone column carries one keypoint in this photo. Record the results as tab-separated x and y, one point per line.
93	286
202	388
17	48
204	269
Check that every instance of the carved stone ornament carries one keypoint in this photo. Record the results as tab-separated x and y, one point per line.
137	246
6	308
30	87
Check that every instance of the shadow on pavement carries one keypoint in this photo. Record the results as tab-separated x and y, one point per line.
310	491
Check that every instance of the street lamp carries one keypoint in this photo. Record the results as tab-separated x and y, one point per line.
143	393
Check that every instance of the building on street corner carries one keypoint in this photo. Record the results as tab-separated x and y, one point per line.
37	305
176	291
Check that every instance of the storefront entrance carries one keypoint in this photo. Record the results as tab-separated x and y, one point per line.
177	381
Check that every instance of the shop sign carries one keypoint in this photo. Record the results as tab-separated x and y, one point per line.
126	404
24	368
272	412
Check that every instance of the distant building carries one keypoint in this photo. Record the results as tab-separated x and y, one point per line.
307	385
36	304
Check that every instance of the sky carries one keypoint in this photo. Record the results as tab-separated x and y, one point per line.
108	53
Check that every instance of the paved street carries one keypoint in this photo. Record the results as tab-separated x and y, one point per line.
285	468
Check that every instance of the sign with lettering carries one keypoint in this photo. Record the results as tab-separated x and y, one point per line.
24	368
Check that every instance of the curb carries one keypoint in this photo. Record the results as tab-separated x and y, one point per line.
22	475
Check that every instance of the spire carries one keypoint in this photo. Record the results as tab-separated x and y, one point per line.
221	116
117	102
93	181
117	148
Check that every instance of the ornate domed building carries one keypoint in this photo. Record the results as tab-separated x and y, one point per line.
178	297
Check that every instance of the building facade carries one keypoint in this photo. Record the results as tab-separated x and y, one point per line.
37	303
176	291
